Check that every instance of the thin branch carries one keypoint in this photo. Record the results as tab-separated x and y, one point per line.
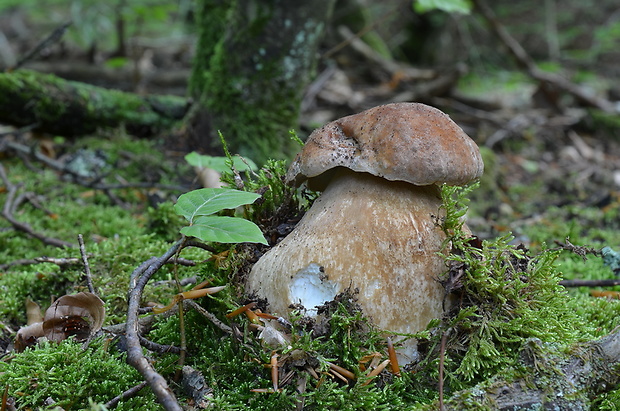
54	37
590	283
130	393
88	278
209	316
580	250
442	355
135	356
60	262
20	226
158	348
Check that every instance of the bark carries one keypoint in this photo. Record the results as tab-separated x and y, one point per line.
552	380
72	109
254	60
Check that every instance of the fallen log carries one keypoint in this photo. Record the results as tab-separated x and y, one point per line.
72	109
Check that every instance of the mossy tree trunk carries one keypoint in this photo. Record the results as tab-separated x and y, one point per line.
254	59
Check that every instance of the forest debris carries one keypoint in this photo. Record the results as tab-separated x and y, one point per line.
135	356
130	393
53	38
195	387
7	214
529	66
580	250
80	315
605	294
405	72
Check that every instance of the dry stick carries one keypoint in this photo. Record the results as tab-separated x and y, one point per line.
60	262
135	357
182	334
442	354
209	316
18	225
590	283
528	64
158	348
87	275
48	41
130	393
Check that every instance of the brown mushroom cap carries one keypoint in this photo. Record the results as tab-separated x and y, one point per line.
408	142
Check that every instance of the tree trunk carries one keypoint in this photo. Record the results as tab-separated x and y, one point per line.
254	59
71	109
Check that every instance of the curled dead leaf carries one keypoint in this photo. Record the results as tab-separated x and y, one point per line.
27	336
33	312
79	315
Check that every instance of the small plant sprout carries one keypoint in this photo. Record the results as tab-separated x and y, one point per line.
200	206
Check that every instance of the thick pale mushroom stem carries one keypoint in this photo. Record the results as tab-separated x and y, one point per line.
377	236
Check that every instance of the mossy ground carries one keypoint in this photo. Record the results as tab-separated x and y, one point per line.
515	289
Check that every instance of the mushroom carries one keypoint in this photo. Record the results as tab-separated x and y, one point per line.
374	228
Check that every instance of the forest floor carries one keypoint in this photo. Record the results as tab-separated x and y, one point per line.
552	179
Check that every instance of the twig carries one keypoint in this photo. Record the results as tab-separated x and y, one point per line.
48	41
135	357
182	334
442	355
88	278
60	262
130	393
198	244
158	348
20	226
527	63
209	316
590	283
580	250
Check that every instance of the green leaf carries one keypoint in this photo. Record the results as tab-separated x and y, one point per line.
449	6
219	163
206	201
224	230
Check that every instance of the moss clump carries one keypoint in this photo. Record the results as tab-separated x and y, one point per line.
505	296
72	376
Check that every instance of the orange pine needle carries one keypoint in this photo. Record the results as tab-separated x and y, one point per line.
341	370
274	371
392	357
606	294
266	316
240	310
202	284
376	371
252	316
192	294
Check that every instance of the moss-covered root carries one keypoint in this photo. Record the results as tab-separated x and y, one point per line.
548	379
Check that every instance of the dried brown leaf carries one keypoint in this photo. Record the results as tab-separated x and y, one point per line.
78	315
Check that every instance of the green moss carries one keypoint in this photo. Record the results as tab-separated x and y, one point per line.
508	295
71	376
